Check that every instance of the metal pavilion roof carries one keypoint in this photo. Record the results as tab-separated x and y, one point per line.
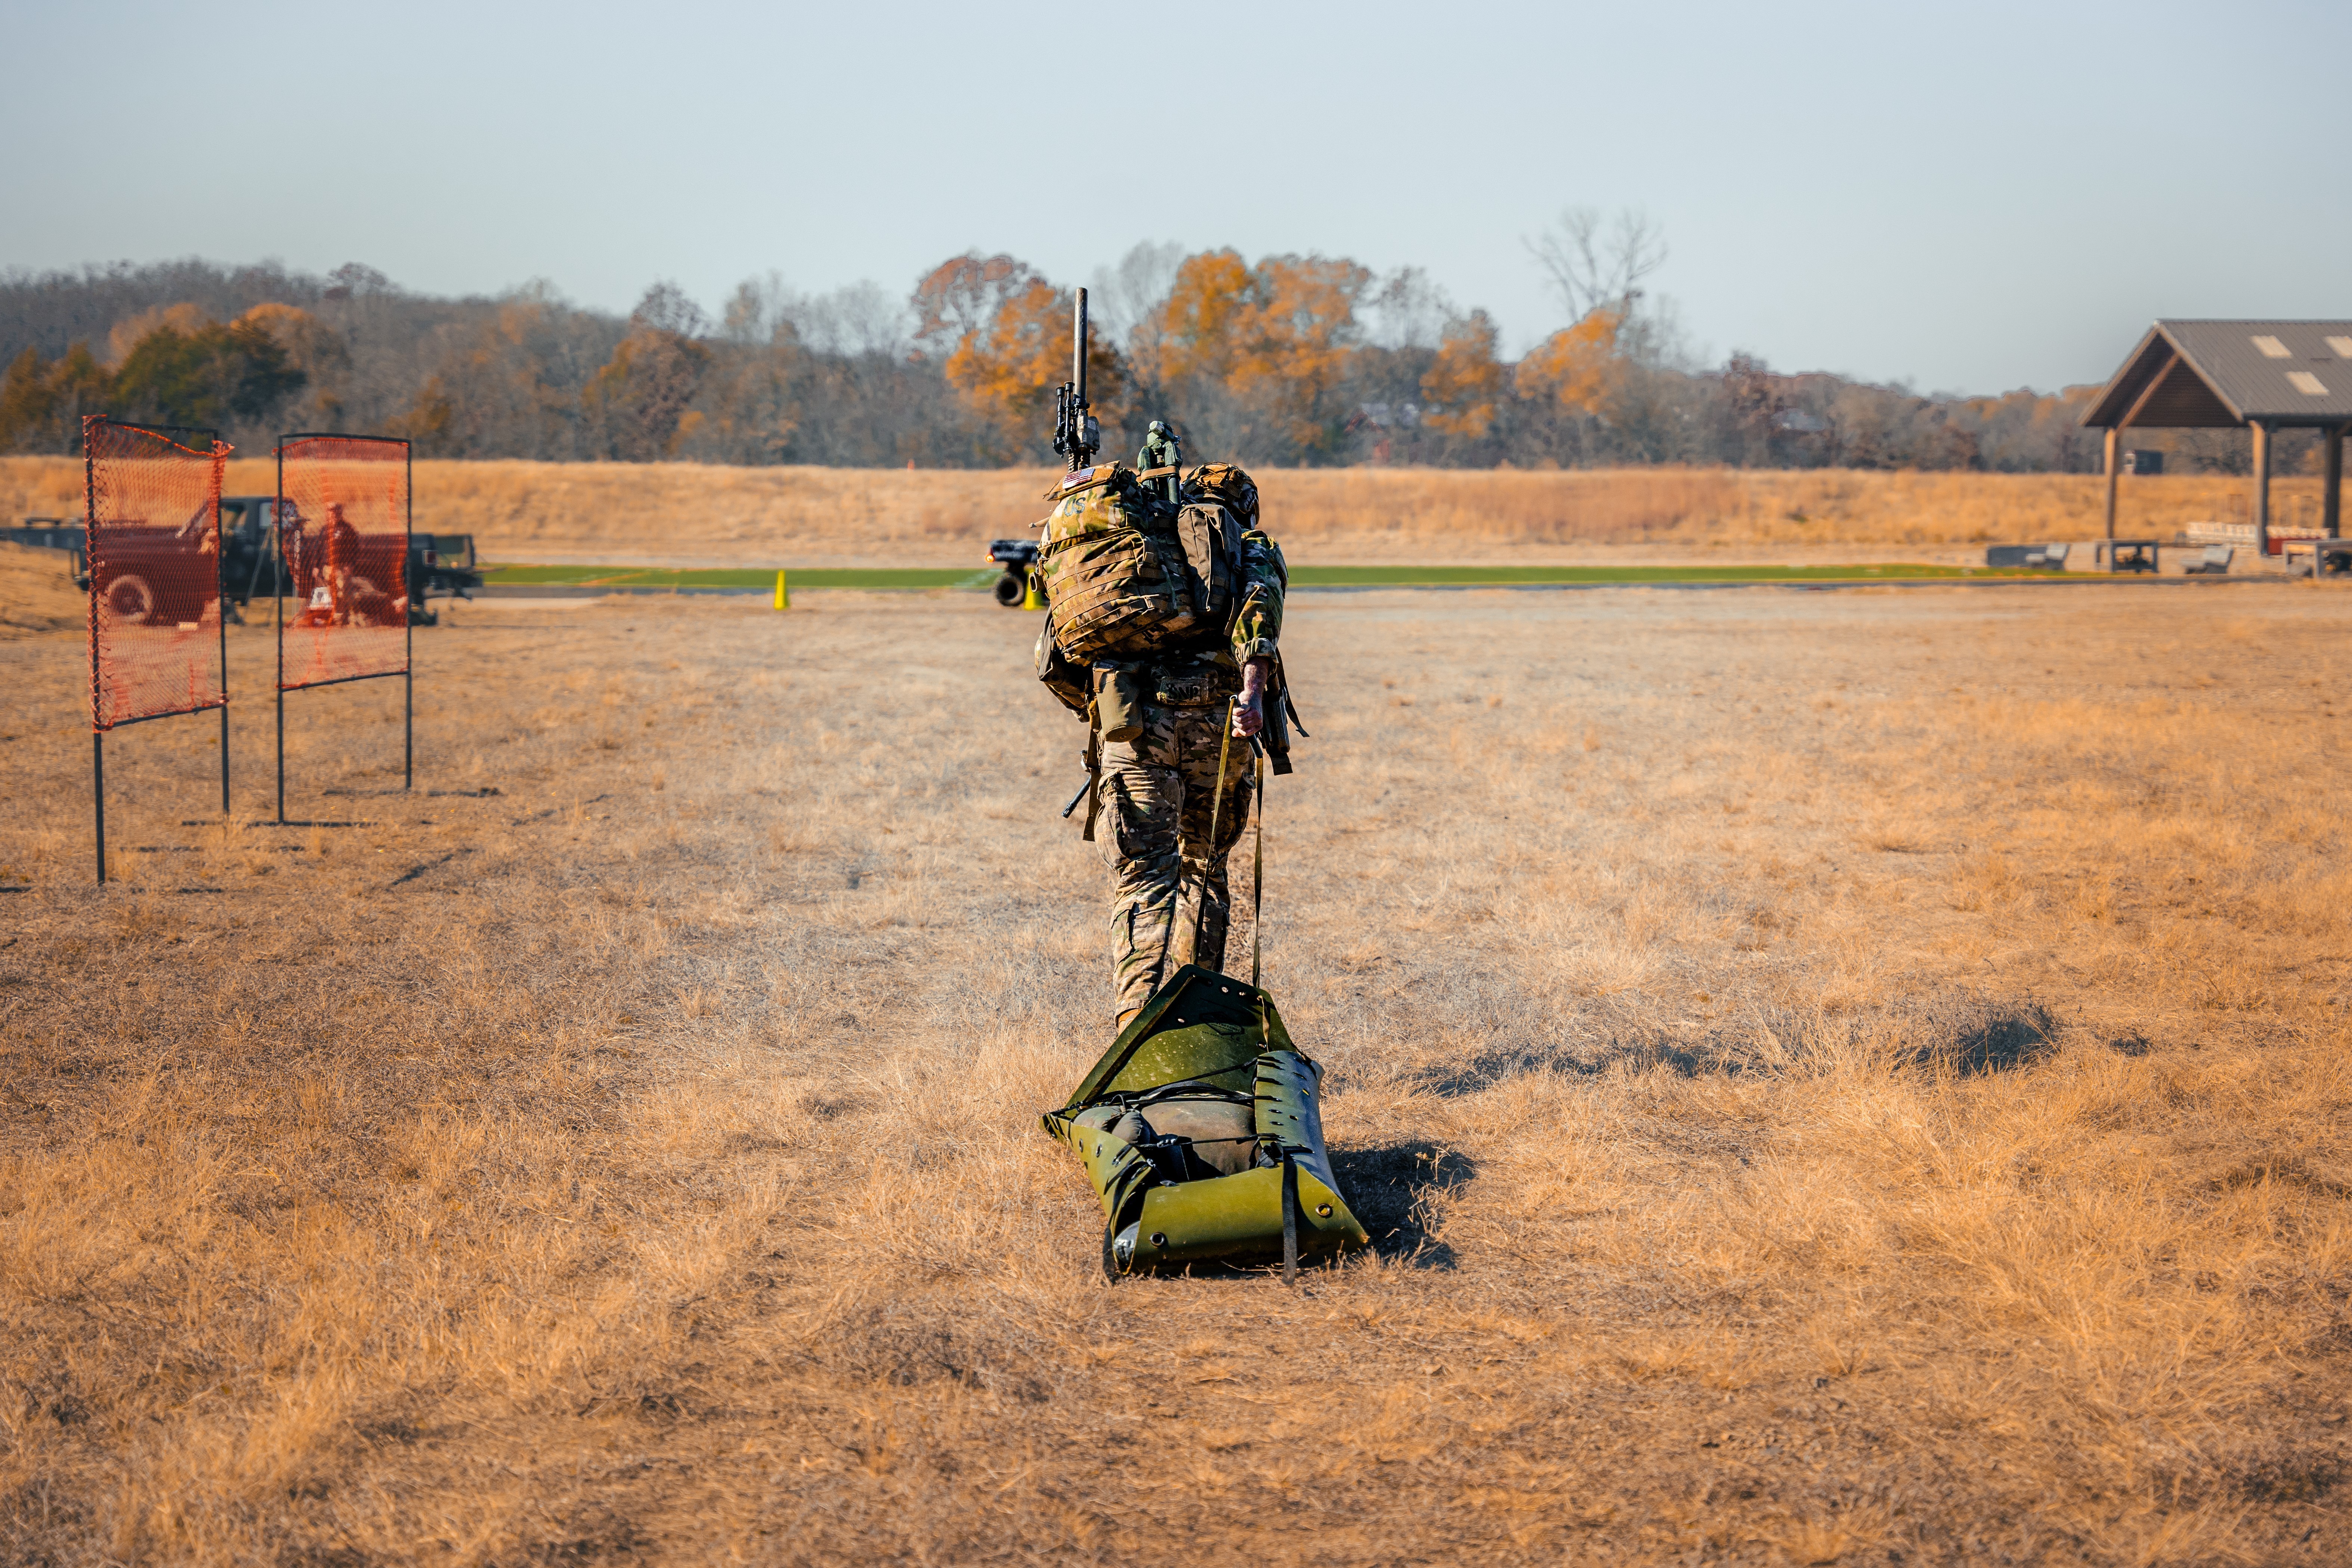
2206	374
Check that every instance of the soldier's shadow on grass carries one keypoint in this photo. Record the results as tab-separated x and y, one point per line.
1999	1038
1393	1190
1969	1036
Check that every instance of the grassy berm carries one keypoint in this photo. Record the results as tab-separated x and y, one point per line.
1834	1078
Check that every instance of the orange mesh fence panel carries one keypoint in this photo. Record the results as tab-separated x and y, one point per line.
344	517
153	500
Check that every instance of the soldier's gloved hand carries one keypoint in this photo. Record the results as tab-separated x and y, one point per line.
1248	717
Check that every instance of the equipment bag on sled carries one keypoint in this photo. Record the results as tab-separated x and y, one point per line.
1203	1132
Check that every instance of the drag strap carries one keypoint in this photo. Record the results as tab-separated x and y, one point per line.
1257	876
1289	1220
1209	850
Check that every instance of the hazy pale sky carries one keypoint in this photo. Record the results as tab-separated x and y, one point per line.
1971	198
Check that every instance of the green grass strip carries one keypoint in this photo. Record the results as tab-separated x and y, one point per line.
899	577
1431	576
1503	576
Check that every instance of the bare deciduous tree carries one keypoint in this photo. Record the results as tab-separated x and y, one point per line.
1592	269
667	308
1129	296
757	311
961	297
1406	310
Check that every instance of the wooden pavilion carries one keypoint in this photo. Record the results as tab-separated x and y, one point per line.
2263	375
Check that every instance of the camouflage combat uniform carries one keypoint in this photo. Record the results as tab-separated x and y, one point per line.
1157	791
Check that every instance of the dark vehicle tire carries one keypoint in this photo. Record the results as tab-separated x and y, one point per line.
128	599
1010	590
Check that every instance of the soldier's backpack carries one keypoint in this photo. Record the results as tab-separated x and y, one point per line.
1126	572
1230	486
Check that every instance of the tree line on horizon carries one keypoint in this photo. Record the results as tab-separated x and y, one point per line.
1286	361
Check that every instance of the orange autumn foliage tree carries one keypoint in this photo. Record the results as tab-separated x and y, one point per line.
1275	337
1576	367
1011	331
1198	330
1465	383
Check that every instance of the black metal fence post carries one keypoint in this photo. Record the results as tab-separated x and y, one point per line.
97	794
89	539
220	557
277	615
408	591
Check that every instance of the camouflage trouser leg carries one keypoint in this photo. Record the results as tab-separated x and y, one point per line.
1157	791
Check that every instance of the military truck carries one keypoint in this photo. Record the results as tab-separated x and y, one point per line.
441	563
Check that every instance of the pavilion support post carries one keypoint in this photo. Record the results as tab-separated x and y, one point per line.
2331	486
2262	493
2114	472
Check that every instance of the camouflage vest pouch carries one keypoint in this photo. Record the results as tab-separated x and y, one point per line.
1199	686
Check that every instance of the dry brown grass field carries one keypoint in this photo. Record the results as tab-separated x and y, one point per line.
696	514
1848	1077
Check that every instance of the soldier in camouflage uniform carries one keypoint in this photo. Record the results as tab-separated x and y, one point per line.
1156	791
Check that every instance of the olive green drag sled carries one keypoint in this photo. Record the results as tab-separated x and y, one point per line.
1201	1131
